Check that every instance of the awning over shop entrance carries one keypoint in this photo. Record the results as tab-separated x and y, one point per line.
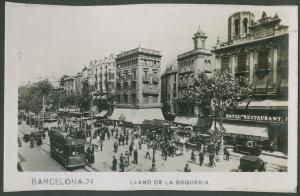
101	114
193	121
245	131
136	116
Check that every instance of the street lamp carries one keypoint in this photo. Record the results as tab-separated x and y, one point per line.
153	168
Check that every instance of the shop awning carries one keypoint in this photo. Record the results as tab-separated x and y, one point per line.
265	104
102	113
136	116
193	121
245	131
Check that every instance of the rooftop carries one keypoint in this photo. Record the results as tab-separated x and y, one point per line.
139	50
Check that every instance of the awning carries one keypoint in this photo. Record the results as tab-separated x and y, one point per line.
265	104
245	131
136	116
102	113
193	121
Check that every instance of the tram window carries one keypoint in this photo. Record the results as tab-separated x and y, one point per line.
73	151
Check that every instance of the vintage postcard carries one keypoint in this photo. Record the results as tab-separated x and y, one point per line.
144	97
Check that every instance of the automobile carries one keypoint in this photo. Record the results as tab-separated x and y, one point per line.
182	136
195	141
250	163
248	147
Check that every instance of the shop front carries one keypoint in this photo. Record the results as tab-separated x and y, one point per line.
266	125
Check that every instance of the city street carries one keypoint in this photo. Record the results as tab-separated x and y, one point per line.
38	159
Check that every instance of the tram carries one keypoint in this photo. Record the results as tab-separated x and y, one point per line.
68	150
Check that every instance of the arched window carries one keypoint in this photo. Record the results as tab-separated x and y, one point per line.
236	27
245	23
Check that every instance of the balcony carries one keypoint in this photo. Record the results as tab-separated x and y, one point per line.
151	91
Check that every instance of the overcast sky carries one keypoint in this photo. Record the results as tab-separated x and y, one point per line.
49	41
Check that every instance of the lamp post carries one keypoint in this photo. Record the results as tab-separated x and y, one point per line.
153	168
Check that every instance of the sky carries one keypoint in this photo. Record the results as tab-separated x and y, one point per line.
49	41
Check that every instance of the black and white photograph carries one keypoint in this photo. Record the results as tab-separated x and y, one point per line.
172	89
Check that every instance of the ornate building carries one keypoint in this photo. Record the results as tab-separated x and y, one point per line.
189	64
258	50
138	86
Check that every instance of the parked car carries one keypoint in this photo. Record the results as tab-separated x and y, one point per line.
251	163
249	147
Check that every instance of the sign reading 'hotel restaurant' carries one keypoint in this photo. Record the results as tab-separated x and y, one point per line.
256	118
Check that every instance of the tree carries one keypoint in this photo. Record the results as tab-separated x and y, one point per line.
218	92
30	97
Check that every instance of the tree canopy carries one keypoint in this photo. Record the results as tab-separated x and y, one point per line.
30	96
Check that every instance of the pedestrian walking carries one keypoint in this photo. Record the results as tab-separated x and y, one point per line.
101	144
148	155
187	168
227	154
87	155
114	163
92	156
135	156
166	154
130	149
201	158
116	147
108	135
127	138
121	159
126	159
193	155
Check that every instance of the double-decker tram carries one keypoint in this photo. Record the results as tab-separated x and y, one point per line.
67	148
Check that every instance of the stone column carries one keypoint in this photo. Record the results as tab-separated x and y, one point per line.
274	67
251	65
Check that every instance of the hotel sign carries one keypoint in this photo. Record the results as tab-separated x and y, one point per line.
263	33
263	118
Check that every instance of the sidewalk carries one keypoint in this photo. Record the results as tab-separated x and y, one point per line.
273	154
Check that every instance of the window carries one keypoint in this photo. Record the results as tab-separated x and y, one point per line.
242	60
174	77
119	98
126	98
262	61
133	85
245	23
155	99
145	99
236	27
134	98
225	63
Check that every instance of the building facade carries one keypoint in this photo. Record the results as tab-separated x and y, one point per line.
138	86
169	84
100	76
258	51
189	64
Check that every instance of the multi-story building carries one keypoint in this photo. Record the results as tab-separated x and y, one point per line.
258	50
101	81
189	64
138	86
68	84
169	83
